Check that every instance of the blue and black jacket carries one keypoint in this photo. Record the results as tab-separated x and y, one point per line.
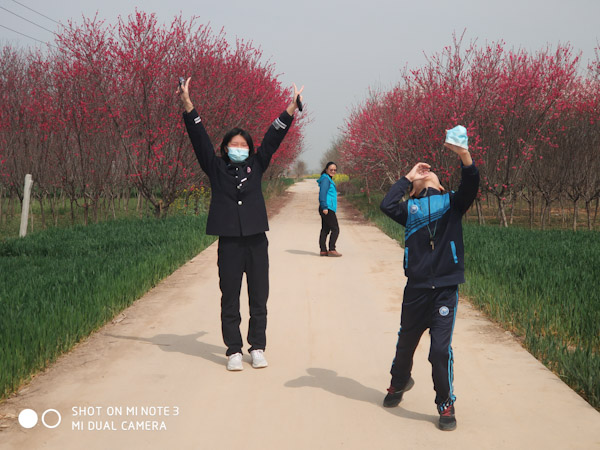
434	251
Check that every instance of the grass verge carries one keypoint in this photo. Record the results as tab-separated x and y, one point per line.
58	286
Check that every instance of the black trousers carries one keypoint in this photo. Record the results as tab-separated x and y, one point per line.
239	255
434	309
329	224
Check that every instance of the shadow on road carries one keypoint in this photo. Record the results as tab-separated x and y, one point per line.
303	252
330	381
187	344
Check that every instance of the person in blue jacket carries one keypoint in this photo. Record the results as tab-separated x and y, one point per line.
434	267
327	210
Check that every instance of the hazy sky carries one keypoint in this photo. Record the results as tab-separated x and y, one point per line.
340	49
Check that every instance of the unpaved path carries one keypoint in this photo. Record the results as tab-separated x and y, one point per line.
331	337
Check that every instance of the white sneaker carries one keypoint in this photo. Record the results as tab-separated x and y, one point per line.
258	359
234	362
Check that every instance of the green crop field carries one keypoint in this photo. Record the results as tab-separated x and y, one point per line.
544	286
59	285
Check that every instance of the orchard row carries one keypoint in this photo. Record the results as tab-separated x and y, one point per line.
533	122
97	113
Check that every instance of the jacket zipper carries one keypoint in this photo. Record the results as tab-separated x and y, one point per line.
431	241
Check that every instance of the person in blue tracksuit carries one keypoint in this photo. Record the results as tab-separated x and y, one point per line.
327	210
434	267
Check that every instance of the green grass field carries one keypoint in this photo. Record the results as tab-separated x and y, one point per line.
544	287
59	285
541	285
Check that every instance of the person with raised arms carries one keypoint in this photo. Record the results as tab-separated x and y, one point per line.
238	215
434	267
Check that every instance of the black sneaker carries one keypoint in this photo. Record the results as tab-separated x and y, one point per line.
447	418
394	395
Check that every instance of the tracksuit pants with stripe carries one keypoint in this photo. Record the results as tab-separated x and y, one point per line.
236	256
422	309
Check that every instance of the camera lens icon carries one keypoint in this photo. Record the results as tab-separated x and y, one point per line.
28	418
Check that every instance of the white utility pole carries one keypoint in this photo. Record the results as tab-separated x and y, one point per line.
25	210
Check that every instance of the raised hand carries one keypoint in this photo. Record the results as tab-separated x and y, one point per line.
184	94
418	172
455	148
293	105
462	152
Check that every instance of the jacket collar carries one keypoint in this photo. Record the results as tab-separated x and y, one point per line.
427	192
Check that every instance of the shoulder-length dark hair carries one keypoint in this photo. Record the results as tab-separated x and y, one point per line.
330	163
230	135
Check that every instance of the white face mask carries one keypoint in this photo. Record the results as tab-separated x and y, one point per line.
237	155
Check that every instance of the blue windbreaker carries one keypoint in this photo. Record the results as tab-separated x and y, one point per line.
327	193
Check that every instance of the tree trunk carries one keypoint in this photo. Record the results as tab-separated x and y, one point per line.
502	213
144	205
531	211
113	207
596	210
10	206
588	210
480	217
95	205
575	214
52	201
41	201
86	212
104	207
546	207
562	212
72	213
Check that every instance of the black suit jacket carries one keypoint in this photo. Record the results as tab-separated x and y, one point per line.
237	206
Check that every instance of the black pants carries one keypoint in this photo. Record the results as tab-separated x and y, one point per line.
434	309
329	224
238	255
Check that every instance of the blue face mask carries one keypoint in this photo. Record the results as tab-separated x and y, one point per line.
458	136
237	155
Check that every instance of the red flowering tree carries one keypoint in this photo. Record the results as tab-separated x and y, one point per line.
15	155
578	147
98	113
513	126
508	100
230	87
87	157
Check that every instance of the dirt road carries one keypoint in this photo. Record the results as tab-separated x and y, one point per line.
332	331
